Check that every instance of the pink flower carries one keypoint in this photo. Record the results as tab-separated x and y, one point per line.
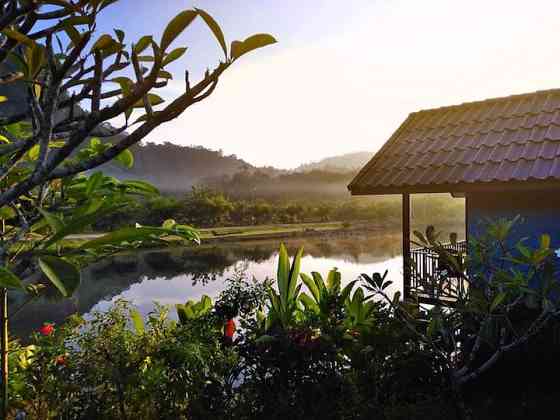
46	329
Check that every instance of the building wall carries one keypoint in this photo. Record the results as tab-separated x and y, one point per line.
540	213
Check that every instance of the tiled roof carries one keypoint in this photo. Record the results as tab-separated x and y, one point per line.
503	141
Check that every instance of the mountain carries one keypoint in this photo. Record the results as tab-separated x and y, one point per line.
350	162
174	168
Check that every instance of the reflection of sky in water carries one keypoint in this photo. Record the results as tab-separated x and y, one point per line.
179	289
176	275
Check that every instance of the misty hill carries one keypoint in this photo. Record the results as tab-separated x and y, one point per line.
350	162
314	184
174	168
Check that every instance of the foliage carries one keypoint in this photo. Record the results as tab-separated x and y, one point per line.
310	347
74	82
205	206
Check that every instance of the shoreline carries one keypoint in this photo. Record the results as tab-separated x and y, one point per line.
240	234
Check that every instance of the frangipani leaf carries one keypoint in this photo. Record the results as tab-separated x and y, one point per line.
62	274
215	28
125	158
174	55
239	48
9	280
177	25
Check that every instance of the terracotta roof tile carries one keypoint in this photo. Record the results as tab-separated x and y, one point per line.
541	168
549	150
553	132
515	138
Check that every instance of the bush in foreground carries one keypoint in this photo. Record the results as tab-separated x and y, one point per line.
306	347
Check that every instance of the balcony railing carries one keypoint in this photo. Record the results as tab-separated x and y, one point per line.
432	279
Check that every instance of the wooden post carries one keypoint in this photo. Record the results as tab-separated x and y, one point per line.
4	345
407	281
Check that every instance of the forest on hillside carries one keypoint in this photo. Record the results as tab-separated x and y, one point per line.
205	188
204	207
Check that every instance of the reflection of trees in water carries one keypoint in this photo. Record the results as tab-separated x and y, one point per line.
201	265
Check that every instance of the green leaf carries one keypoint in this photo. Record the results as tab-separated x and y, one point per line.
236	49
18	37
174	55
294	274
93	183
125	158
35	57
141	186
137	321
283	271
162	74
62	274
125	84
497	301
54	221
152	98
168	224
143	43
95	142
33	153
252	43
72	33
76	225
104	41
7	212
347	290
9	280
132	234
215	28
120	35
309	303
311	286
177	25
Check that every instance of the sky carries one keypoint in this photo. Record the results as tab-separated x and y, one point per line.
344	74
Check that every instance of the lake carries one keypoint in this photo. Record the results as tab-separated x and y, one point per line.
175	275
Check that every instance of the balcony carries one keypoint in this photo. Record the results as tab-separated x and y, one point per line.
432	280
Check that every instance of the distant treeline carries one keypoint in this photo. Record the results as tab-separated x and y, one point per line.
315	184
206	207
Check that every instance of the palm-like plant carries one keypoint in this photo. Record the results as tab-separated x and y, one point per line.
284	302
359	311
327	296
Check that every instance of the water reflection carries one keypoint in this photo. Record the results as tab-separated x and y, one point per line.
174	275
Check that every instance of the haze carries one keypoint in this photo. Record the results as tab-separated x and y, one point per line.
344	75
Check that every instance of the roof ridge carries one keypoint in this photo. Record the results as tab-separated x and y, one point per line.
489	100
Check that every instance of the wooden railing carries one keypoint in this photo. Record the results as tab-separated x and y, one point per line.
432	279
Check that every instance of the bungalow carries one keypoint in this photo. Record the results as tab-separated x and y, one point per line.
501	154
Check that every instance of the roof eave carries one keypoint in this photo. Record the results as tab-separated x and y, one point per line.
520	186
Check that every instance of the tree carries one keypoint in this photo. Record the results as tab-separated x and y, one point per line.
75	82
206	207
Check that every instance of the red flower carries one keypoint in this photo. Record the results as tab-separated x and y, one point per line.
60	360
230	328
47	329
